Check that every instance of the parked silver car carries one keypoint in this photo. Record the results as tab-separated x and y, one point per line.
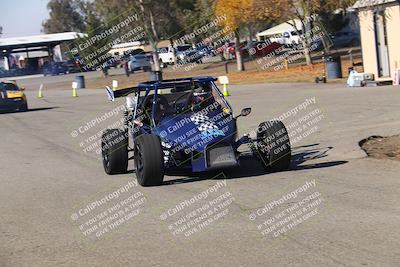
139	62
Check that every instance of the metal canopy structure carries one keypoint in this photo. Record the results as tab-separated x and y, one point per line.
31	46
44	42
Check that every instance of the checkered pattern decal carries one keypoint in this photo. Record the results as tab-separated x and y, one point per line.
199	118
203	122
166	147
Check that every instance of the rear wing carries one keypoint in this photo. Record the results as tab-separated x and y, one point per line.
176	84
120	93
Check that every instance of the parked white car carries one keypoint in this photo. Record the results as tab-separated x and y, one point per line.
287	38
166	55
184	53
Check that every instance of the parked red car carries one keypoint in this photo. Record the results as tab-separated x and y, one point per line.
231	48
261	49
257	49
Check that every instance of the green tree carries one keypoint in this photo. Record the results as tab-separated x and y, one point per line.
101	36
199	14
150	18
65	16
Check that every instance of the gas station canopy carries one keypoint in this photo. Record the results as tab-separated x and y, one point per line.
36	42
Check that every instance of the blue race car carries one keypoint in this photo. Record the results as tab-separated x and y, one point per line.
185	124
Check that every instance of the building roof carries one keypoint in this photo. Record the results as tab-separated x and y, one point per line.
281	28
38	40
370	3
160	44
128	44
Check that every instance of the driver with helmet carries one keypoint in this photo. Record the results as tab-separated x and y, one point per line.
202	97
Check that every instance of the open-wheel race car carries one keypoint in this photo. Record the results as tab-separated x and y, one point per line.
185	123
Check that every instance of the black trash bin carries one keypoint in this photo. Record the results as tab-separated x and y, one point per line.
334	67
80	80
156	76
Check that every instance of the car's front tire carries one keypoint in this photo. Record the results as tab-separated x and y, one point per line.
24	107
149	160
114	148
273	145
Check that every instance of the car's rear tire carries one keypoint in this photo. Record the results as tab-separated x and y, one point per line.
273	145
114	148
24	107
149	160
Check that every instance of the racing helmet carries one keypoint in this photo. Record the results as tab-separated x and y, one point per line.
202	94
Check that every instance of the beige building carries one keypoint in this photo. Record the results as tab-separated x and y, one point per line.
380	36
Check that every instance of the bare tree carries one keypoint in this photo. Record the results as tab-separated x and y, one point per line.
150	27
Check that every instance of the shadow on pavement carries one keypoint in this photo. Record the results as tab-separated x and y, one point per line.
251	167
301	156
29	110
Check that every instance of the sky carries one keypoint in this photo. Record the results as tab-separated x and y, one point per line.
22	17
